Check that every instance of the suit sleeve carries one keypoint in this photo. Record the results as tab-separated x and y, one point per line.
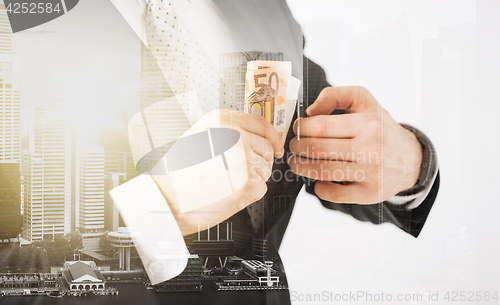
407	210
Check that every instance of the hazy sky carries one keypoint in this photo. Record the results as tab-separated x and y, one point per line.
90	57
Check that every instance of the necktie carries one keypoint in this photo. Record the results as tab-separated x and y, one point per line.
186	67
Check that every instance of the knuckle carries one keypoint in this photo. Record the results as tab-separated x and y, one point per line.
263	190
241	204
267	173
258	190
262	121
215	112
268	128
361	90
320	127
328	90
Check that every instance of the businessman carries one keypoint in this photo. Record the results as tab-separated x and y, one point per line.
343	146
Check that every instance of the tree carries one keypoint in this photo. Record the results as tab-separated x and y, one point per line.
39	259
75	241
9	257
106	246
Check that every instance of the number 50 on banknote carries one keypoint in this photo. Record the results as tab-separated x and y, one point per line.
271	92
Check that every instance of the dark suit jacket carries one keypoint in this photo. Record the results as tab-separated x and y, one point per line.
262	242
261	239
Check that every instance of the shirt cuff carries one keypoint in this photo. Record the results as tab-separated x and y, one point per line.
153	228
413	197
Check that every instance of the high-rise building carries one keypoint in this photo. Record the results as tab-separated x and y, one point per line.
90	194
10	110
76	144
233	67
47	170
10	95
10	201
5	31
111	215
10	137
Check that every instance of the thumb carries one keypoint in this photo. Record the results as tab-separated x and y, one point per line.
354	99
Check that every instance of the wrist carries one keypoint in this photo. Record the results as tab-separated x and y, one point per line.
412	197
413	162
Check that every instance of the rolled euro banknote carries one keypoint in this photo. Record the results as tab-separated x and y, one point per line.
270	91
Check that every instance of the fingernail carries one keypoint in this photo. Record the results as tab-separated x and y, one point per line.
296	125
310	108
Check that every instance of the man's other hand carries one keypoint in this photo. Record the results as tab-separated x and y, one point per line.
373	156
261	144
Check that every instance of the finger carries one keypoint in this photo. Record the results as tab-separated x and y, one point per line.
260	146
331	126
348	193
326	149
258	166
258	125
353	99
327	170
256	190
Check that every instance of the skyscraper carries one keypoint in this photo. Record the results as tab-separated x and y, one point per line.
90	194
10	137
10	96
5	31
47	169
10	201
111	215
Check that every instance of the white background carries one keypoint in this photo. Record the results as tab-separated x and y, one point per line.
432	64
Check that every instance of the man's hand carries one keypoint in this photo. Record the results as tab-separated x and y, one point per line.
261	143
373	156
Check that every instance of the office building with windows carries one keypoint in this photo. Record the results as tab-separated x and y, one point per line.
47	180
10	201
90	196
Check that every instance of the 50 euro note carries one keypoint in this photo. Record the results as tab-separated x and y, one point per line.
271	92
